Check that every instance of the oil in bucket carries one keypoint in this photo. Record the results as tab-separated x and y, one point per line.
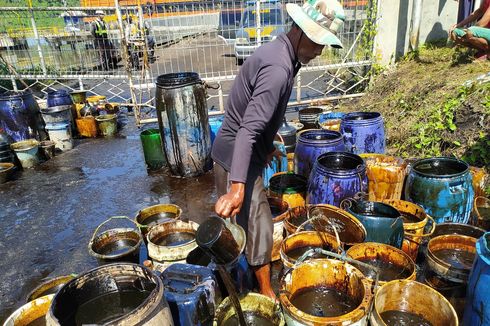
175	239
323	302
399	317
388	270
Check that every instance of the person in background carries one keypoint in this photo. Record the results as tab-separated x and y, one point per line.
102	42
477	36
254	111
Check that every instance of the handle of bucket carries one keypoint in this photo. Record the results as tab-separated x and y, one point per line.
211	85
347	203
109	219
433	228
323	218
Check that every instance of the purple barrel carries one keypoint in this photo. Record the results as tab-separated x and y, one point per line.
335	177
363	132
311	144
59	98
14	118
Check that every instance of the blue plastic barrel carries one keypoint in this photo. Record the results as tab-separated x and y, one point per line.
59	98
311	144
330	116
477	308
276	165
335	177
443	187
192	293
383	223
363	132
183	122
214	125
14	118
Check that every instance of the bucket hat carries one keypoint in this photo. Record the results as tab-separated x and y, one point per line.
320	20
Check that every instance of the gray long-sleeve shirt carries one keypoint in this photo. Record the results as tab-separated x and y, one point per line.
255	108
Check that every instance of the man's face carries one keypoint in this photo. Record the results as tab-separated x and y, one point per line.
308	50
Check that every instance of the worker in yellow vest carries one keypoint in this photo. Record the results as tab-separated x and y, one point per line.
102	42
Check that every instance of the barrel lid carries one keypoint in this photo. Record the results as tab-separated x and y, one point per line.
209	231
288	183
178	79
356	116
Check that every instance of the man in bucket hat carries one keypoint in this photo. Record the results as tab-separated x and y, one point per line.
254	111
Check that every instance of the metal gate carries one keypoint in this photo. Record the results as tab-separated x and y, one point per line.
47	48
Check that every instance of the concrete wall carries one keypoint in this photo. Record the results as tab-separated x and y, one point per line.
394	19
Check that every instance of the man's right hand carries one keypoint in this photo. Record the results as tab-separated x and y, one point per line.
231	203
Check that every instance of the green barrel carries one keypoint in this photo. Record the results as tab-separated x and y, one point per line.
152	148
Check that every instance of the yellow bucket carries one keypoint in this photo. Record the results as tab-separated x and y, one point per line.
414	221
481	206
289	187
386	175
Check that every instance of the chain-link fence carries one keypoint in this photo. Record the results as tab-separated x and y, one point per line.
52	47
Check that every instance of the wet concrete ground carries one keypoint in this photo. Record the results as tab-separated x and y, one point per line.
49	213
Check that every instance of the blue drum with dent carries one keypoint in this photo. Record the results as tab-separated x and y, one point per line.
335	177
443	187
363	132
59	98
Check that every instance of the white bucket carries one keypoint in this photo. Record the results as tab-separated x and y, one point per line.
60	133
35	310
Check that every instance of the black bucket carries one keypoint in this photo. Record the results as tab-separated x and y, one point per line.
309	117
217	241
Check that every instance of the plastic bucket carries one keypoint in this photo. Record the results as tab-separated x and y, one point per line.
346	287
363	132
115	245
47	149
335	177
397	298
215	122
6	170
295	245
107	124
257	309
451	256
313	143
276	165
481	206
386	175
87	127
289	187
443	187
393	264
156	214
50	286
117	294
32	313
26	152
171	241
60	133
414	221
279	209
152	148
79	97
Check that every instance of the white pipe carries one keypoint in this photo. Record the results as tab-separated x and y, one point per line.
415	24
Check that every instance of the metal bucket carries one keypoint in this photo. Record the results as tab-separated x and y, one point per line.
57	114
171	241
393	264
26	152
156	214
289	187
481	206
118	294
411	297
107	124
183	121
87	126
6	170
309	117
257	309
50	286
47	149
414	221
386	175
60	133
458	228
279	209
295	245
78	97
115	245
32	313
341	278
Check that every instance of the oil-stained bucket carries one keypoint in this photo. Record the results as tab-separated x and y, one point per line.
26	152
451	256
296	216
87	127
279	209
297	244
290	187
325	292
107	124
481	206
6	170
116	245
172	241
392	263
257	310
47	149
117	294
50	286
156	214
479	180
404	302
32	313
386	175
414	221
349	229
